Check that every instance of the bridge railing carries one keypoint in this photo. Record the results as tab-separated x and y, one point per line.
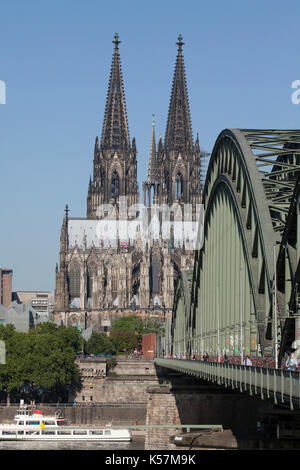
279	385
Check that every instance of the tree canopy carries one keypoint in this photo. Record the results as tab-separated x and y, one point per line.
138	326
100	343
124	340
40	361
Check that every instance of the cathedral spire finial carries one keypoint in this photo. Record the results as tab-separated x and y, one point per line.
180	43
67	210
116	41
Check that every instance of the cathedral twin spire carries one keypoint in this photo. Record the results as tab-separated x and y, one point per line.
115	133
179	130
114	177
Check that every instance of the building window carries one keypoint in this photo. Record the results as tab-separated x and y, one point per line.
166	181
179	187
74	280
91	274
115	185
102	183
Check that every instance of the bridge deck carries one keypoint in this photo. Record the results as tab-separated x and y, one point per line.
283	387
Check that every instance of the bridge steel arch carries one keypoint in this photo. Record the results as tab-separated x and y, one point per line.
288	269
249	185
180	327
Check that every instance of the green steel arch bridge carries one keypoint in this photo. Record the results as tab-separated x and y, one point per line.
242	297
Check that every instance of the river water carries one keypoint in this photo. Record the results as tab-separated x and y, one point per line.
137	443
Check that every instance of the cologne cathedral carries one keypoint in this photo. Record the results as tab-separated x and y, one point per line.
98	279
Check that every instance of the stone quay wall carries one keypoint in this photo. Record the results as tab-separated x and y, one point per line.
124	414
125	383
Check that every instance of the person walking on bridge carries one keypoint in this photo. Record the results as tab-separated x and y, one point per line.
291	362
247	361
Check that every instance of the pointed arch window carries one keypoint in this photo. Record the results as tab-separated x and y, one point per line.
91	275
179	187
102	183
74	280
166	182
114	283
115	185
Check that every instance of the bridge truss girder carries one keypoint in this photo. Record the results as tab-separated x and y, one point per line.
246	209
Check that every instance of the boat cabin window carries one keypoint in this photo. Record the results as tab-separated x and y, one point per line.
21	433
107	433
77	433
98	433
34	423
21	422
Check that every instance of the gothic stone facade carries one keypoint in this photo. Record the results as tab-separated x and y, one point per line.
97	281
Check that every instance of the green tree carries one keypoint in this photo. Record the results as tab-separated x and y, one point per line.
131	323
13	372
124	340
150	325
51	359
42	359
100	343
137	325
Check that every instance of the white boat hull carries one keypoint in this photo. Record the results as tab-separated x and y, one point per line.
58	433
33	425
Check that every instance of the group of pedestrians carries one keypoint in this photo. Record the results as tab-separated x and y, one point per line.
291	362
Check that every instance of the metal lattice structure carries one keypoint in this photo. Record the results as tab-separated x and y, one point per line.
251	182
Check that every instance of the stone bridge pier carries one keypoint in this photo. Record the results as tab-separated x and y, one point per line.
161	410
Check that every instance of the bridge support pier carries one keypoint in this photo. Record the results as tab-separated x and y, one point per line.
161	410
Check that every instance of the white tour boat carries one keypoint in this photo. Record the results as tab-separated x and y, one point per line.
31	424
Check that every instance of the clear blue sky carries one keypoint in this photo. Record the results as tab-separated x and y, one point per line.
55	56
